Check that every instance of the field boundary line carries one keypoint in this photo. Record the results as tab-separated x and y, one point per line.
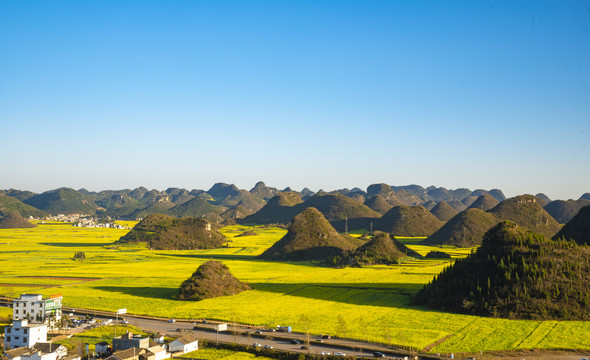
436	343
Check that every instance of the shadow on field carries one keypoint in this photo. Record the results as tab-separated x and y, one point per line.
212	256
140	291
74	244
395	295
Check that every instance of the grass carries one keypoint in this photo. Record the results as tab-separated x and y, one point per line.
221	354
98	334
370	303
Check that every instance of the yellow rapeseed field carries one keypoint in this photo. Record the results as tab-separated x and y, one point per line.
370	303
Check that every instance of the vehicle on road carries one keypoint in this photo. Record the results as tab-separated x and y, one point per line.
378	354
257	332
171	320
325	353
339	354
268	347
124	321
305	347
257	345
296	342
326	337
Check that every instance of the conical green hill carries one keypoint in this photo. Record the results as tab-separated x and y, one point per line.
382	249
578	228
280	209
13	220
443	211
484	202
337	207
310	237
408	221
466	229
515	274
526	211
9	204
564	211
378	204
212	279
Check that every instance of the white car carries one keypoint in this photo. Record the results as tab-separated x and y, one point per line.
325	353
339	354
171	320
257	345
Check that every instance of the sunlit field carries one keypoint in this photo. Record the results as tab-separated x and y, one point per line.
369	303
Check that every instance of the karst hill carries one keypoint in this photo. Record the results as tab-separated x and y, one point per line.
468	227
516	274
408	221
578	228
13	220
381	249
163	232
310	237
212	279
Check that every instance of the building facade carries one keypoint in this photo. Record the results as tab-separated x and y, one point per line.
34	308
22	334
128	341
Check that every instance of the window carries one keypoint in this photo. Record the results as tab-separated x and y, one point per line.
25	340
8	338
16	338
8	330
16	311
25	331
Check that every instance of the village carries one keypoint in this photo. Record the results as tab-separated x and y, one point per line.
82	220
34	318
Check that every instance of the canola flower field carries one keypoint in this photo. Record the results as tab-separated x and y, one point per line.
370	303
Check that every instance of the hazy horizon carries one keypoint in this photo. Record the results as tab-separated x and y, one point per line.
322	94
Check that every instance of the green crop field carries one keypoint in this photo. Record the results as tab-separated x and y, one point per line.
370	303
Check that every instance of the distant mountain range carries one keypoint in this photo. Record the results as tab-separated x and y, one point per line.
345	209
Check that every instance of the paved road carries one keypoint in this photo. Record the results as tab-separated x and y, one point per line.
240	335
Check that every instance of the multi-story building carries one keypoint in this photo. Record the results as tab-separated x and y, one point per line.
128	341
34	308
22	334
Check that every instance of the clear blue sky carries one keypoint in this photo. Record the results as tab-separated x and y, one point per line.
323	94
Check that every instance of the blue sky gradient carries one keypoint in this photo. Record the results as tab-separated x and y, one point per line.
323	94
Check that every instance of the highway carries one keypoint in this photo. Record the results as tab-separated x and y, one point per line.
248	336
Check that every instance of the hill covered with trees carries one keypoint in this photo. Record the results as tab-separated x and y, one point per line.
13	220
578	228
212	279
310	237
163	232
515	274
381	249
408	221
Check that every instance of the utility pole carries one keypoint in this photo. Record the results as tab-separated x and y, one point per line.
346	224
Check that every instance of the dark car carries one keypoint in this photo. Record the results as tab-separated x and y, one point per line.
326	337
297	342
304	347
378	354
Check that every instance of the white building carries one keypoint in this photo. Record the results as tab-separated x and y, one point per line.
184	344
40	351
34	308
22	334
159	352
